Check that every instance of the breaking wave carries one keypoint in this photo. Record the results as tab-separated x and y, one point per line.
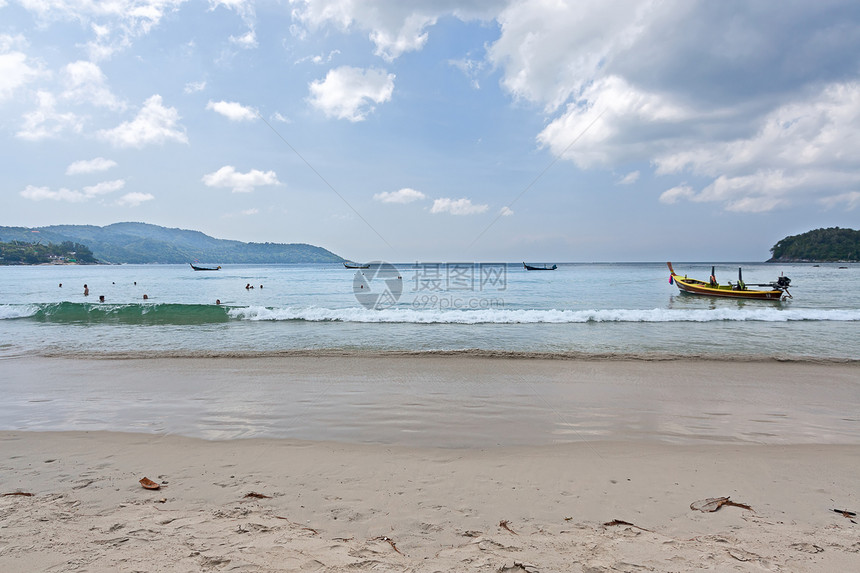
510	316
190	314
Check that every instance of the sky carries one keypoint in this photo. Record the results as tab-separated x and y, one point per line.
438	130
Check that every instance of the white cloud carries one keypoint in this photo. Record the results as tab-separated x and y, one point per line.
15	72
506	211
349	93
850	201
615	127
104	188
72	195
763	190
550	51
802	150
409	38
141	14
227	176
318	59
247	41
90	166
277	116
251	211
394	27
471	69
244	8
232	110
673	195
194	87
99	52
757	193
40	193
84	82
46	122
405	195
630	178
823	130
134	199
457	206
117	23
10	43
154	124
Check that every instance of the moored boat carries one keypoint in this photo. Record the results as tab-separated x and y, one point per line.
777	290
198	268
543	268
351	265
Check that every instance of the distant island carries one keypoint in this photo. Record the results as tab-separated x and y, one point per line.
818	246
140	243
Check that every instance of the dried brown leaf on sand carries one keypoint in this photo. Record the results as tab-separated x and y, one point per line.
26	494
842	512
504	524
850	515
256	495
712	504
149	484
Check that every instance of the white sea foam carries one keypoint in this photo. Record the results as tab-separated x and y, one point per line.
509	316
17	310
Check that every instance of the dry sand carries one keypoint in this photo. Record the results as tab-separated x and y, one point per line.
590	506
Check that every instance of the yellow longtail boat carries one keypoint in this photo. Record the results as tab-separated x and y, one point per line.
777	290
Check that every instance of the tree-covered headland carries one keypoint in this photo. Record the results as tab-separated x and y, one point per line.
821	246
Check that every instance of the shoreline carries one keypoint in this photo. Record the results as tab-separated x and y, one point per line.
465	353
287	505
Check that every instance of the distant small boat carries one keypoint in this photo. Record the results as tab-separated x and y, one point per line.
355	266
777	290
543	268
196	268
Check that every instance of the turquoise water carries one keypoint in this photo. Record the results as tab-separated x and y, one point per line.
625	309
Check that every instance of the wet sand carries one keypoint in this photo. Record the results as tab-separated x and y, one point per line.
439	401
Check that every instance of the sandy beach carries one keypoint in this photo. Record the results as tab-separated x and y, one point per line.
613	501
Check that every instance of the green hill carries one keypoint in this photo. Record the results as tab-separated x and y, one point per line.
820	245
145	243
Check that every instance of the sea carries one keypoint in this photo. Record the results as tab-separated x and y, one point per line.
579	310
